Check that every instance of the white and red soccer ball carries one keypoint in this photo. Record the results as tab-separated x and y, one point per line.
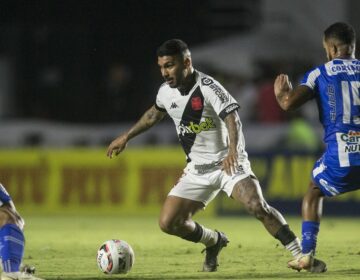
115	257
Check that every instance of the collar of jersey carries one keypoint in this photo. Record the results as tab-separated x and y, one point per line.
341	60
197	75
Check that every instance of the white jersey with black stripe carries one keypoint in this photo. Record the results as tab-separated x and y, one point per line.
198	118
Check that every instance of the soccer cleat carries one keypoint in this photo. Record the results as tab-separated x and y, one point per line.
308	262
27	268
18	276
211	261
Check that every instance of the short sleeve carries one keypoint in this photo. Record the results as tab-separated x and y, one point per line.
220	99
158	103
310	79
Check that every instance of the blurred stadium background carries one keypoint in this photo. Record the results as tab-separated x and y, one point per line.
74	74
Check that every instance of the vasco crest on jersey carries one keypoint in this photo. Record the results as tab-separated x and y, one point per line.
196	103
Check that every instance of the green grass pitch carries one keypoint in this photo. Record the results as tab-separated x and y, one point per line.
64	247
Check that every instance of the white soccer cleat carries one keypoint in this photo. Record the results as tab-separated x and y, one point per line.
18	276
27	268
308	263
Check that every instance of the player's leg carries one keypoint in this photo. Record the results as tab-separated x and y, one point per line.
311	214
12	239
176	219
11	235
327	181
11	242
248	192
184	200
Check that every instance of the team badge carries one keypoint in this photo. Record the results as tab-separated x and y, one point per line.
196	103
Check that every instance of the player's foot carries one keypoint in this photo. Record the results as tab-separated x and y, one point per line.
307	262
27	268
18	276
211	261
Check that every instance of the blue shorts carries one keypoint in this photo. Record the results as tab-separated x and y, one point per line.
334	180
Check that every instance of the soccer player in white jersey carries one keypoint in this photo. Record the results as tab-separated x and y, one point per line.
335	86
209	129
12	241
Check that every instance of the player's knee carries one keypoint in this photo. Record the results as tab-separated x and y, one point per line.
170	226
313	193
258	208
166	225
4	218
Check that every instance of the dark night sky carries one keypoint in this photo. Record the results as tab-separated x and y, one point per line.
62	52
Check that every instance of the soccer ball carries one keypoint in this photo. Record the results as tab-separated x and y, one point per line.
115	257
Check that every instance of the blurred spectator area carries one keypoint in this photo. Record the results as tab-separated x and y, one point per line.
93	61
259	137
80	72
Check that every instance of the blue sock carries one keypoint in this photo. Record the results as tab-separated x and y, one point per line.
310	231
11	247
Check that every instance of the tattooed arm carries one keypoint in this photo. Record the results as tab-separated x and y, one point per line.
149	119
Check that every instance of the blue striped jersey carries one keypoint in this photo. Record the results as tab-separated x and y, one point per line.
336	86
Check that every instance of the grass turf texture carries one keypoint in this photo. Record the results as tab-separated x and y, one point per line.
64	247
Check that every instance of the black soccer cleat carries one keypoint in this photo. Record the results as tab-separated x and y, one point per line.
211	258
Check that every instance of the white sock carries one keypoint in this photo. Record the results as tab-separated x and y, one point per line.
294	247
12	274
209	237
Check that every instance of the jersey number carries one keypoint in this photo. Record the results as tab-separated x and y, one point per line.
345	87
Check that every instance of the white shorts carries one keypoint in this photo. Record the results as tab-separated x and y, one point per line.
204	186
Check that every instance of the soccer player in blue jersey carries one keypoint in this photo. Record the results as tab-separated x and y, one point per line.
335	86
11	240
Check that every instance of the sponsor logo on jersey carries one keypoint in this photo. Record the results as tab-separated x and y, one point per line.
174	105
196	128
335	69
207	167
332	102
220	93
196	103
206	81
217	90
231	108
352	139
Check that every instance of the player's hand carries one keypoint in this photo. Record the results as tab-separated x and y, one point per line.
230	163
117	146
282	85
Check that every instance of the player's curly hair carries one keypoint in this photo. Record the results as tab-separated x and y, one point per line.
173	47
341	31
